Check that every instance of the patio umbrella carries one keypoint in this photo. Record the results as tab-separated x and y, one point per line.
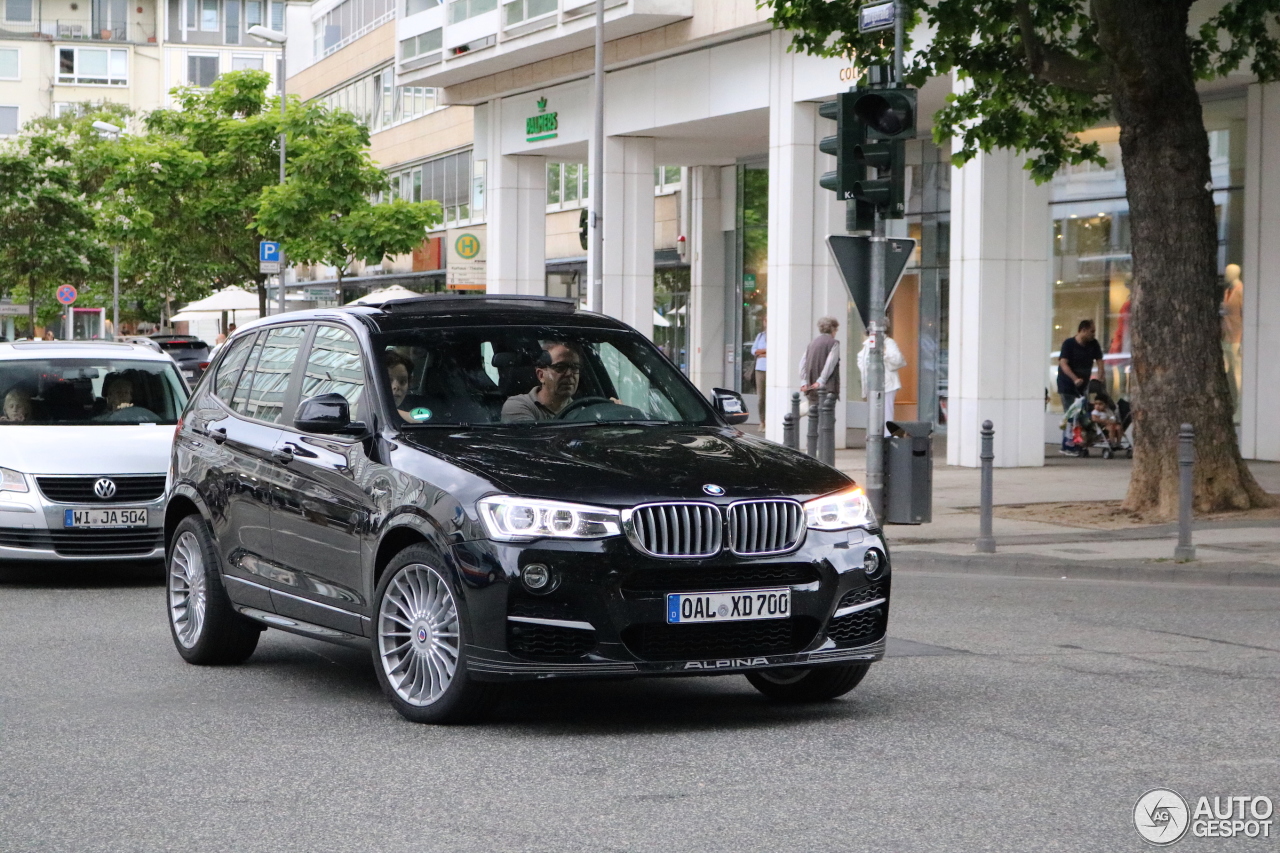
386	294
228	299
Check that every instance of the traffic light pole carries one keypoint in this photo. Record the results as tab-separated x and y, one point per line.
875	373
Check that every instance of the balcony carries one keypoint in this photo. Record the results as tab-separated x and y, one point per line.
80	29
483	37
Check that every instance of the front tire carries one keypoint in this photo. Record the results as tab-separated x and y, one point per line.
418	644
205	627
808	685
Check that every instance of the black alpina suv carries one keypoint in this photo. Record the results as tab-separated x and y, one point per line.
493	488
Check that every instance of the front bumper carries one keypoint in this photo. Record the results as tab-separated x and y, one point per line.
607	615
32	529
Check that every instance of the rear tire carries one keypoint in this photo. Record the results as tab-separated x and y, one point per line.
808	685
419	638
205	627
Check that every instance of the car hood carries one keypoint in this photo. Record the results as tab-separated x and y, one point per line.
98	449
625	465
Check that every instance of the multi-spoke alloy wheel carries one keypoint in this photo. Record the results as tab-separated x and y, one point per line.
206	627
808	685
187	589
418	635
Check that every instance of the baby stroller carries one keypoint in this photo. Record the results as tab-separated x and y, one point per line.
1080	432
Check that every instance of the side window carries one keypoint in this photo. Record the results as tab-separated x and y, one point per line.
229	368
272	373
334	366
633	386
240	400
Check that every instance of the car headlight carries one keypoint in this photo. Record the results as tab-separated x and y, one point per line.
12	481
841	511
511	519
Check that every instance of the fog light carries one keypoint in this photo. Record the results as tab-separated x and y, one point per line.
536	577
872	562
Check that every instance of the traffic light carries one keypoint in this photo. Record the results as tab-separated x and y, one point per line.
582	227
886	118
841	146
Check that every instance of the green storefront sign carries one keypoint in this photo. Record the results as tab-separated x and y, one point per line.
542	126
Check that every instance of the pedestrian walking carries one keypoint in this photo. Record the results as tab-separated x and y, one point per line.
1076	359
893	362
820	364
760	350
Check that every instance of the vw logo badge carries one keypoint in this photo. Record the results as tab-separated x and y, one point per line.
105	489
713	490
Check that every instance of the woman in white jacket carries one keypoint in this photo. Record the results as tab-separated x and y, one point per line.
893	362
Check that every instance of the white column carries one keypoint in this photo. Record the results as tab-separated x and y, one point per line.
803	284
999	347
517	216
707	279
1259	403
628	231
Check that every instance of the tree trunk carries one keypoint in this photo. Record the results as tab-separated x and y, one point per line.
262	295
1177	354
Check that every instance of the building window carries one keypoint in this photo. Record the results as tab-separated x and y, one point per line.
246	63
202	70
421	44
209	16
18	11
413	7
346	22
8	121
445	179
519	11
379	104
65	108
93	66
232	9
666	179
460	10
9	64
566	185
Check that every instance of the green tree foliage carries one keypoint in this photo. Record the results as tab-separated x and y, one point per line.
1034	74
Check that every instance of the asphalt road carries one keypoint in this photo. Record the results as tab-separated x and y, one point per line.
1019	715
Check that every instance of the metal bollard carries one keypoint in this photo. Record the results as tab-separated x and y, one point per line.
795	422
789	437
827	429
811	438
1185	551
986	543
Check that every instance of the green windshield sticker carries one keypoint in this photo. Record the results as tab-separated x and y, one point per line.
420	414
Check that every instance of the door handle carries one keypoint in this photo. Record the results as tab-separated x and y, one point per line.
283	454
218	434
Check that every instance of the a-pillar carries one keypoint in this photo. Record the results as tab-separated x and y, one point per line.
517	216
707	278
628	231
1260	272
999	304
803	283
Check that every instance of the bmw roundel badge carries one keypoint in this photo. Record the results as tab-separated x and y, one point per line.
713	490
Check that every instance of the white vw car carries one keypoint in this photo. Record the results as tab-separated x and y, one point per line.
85	433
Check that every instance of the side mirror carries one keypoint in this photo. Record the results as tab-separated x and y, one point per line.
327	414
729	405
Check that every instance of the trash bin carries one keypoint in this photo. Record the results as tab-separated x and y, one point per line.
908	473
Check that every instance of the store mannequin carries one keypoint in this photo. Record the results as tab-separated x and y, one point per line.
1233	327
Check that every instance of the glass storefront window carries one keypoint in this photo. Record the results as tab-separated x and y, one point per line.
753	226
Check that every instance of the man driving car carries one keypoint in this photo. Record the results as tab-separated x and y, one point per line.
558	369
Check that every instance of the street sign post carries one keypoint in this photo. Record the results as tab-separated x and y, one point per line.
67	294
880	16
270	257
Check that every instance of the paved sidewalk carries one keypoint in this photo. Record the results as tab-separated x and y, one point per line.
1234	551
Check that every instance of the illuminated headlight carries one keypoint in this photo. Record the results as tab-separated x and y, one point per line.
510	519
12	481
841	511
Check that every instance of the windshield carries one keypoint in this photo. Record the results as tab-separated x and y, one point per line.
90	391
534	376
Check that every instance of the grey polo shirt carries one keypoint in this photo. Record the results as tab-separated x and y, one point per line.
525	407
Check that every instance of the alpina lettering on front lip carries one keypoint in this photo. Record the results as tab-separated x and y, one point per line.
730	663
713	490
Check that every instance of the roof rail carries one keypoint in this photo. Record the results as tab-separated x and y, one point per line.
478	302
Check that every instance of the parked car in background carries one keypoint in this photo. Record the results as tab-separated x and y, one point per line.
391	475
85	434
142	340
191	354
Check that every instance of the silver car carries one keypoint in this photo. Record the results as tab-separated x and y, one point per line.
85	432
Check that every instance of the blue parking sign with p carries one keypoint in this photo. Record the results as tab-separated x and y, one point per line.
268	252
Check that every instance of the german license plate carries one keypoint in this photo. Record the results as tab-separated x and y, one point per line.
105	518
743	606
